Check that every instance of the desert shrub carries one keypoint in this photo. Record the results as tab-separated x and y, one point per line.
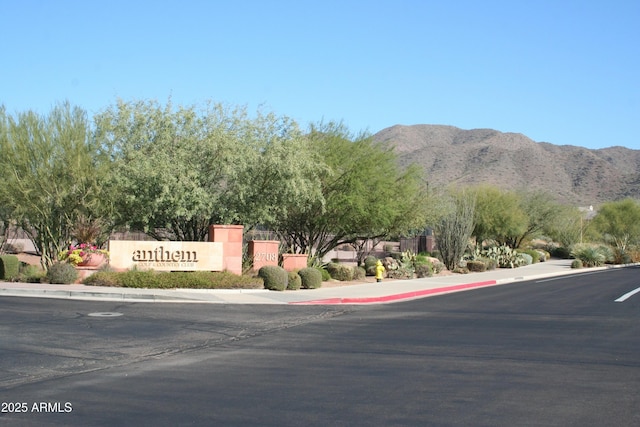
30	274
621	257
438	266
294	281
607	252
103	278
544	255
370	265
390	263
527	259
400	273
633	254
591	256
561	252
359	273
576	263
61	273
421	259
491	263
140	279
476	266
275	277
9	267
534	254
325	273
423	270
341	272
311	277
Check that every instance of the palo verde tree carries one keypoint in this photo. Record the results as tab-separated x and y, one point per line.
619	224
567	226
365	194
498	216
51	172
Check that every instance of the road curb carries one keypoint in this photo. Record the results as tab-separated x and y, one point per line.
397	297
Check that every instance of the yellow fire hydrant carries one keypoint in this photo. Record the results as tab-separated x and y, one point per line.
379	271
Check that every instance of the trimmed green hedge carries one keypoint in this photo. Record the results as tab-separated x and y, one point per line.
172	280
9	267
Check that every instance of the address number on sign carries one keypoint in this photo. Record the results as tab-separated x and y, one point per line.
263	256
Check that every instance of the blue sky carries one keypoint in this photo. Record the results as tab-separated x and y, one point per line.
560	71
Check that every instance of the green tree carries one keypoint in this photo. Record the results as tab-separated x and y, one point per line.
52	174
180	169
539	209
365	194
619	223
499	216
567	226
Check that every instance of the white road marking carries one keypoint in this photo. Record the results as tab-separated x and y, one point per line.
627	295
568	276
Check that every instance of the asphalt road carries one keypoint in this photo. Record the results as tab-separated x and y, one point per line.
557	352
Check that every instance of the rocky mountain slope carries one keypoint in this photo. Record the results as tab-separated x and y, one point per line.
573	175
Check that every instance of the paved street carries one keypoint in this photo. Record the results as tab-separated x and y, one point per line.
557	351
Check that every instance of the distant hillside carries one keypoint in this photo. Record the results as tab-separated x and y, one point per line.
512	161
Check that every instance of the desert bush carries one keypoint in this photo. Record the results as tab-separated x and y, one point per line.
311	277
103	278
341	272
30	273
325	273
560	252
400	273
591	256
621	256
438	267
607	252
527	259
359	273
275	277
491	264
476	266
576	263
423	270
294	281
534	254
9	267
370	265
61	273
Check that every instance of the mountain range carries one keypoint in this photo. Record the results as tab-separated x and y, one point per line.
512	161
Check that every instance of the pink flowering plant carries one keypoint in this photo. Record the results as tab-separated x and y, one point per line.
78	254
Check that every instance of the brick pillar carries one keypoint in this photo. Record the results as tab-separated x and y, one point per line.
231	238
291	262
263	252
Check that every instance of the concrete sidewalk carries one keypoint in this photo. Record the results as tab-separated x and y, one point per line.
367	293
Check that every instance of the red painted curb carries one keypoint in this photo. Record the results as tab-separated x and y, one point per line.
396	297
